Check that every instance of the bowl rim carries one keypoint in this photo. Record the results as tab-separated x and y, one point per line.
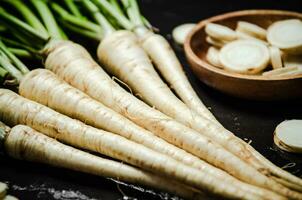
190	54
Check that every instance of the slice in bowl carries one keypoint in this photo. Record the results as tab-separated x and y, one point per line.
286	35
244	56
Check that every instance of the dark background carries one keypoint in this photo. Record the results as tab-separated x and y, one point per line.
249	120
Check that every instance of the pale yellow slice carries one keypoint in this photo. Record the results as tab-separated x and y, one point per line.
251	29
213	57
180	32
215	42
288	136
286	35
220	32
276	59
244	56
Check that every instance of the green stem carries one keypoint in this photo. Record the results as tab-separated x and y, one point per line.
8	66
47	18
117	6
17	25
28	15
22	53
124	22
73	8
3	73
14	43
80	31
137	19
74	20
14	59
99	17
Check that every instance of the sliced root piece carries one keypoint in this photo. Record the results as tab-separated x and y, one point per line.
242	35
288	136
286	35
280	71
215	42
180	32
213	57
9	197
244	56
3	189
276	59
220	32
251	29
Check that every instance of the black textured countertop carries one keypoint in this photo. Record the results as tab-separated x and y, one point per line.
253	121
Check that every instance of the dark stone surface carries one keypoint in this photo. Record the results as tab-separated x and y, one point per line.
250	120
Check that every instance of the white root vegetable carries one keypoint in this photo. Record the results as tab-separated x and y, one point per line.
80	135
3	189
286	35
138	72
280	71
213	57
276	58
288	136
69	60
60	95
251	29
220	32
23	142
180	32
161	53
215	42
244	56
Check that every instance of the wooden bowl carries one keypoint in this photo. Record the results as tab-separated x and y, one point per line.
255	87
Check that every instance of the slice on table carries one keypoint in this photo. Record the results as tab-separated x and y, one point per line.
276	58
220	32
3	189
10	197
288	136
180	32
213	57
251	29
244	56
287	35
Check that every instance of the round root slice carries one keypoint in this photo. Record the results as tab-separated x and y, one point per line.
9	197
245	36
276	59
286	35
288	136
213	57
3	189
215	42
220	32
280	71
251	29
180	32
244	56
